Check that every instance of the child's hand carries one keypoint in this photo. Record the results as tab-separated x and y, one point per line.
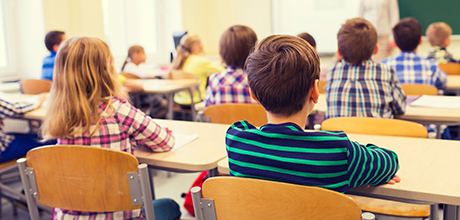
41	98
395	179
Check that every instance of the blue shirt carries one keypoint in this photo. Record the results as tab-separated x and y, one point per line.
48	66
414	69
286	153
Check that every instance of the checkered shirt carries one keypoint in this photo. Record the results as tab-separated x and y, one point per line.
367	89
413	69
124	128
10	110
228	86
441	55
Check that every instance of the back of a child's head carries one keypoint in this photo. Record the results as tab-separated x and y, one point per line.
437	33
357	39
308	38
184	49
281	71
407	34
235	44
53	38
83	76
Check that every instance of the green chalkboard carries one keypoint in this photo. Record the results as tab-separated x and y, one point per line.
429	11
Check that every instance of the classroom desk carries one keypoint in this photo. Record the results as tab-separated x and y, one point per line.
429	169
168	88
421	115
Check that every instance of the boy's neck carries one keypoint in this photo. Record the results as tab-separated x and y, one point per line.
300	118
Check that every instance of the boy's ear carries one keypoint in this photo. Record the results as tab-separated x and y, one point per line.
446	42
314	91
253	96
56	47
376	50
421	40
338	53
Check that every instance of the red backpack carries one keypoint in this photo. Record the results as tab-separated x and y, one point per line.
188	204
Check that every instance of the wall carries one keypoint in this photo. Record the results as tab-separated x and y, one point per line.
210	18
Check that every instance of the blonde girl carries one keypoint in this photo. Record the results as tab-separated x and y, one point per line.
189	61
136	56
87	107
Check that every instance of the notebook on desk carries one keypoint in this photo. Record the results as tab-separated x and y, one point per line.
433	101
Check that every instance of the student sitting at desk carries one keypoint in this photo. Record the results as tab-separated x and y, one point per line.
410	67
52	41
136	56
357	86
283	74
438	35
231	85
87	107
13	146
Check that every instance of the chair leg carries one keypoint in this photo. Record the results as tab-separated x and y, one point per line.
434	212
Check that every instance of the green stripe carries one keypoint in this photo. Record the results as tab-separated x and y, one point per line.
285	171
288	160
363	168
384	170
285	148
355	151
244	125
371	167
292	128
374	177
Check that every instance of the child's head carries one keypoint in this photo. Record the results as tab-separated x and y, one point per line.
357	40
282	71
84	75
53	39
308	38
189	44
407	34
439	34
235	44
136	55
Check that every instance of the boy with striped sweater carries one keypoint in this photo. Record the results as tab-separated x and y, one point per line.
283	74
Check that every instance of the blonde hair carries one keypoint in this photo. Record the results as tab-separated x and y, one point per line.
133	49
184	49
437	33
83	78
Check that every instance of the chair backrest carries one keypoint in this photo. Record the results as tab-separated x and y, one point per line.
35	86
375	126
231	113
84	178
247	198
419	89
179	74
321	86
129	75
450	68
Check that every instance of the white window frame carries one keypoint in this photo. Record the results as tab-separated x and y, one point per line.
10	72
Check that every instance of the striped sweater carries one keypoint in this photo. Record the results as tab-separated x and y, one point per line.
286	153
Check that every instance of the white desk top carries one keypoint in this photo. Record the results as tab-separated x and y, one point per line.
429	169
162	86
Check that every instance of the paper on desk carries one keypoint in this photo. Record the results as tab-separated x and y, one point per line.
432	101
183	139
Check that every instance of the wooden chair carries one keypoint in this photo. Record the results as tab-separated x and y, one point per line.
380	126
35	86
230	113
129	75
85	178
247	198
419	89
321	86
450	68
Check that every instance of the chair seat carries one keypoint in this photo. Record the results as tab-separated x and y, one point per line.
386	207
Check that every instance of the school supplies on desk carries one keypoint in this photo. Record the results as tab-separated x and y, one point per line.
183	139
430	101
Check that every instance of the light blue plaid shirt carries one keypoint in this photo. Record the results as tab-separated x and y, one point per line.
411	68
367	89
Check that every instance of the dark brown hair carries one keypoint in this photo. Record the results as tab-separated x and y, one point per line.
235	44
407	34
308	38
357	39
281	71
53	38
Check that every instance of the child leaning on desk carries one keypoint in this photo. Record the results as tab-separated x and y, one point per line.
88	107
283	74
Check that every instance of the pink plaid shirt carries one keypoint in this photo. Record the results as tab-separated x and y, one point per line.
121	129
228	86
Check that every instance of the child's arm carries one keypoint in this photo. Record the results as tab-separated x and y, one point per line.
369	164
142	130
8	110
439	76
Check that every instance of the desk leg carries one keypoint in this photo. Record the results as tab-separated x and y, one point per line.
213	173
192	105
152	188
170	97
450	212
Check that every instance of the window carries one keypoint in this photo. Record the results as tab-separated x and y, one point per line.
7	62
3	49
149	23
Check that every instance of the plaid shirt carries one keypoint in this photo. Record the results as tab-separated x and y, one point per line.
411	68
367	89
228	86
10	110
441	55
121	130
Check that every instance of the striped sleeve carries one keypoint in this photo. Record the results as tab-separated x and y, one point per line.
8	110
143	130
369	164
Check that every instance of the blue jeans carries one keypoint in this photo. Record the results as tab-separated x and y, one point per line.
165	209
21	144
